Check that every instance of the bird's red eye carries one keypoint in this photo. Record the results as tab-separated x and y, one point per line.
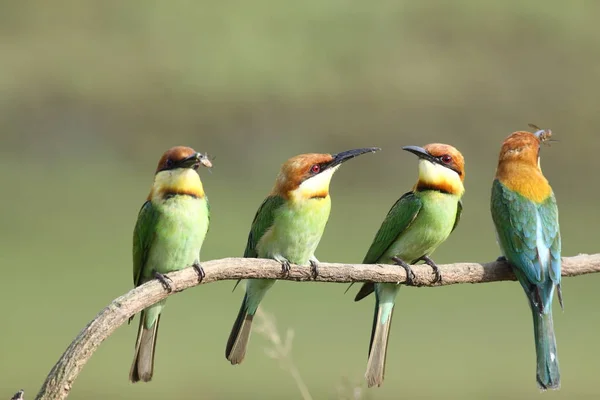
315	169
446	158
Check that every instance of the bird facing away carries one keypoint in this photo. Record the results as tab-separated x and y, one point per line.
415	226
287	227
168	236
526	220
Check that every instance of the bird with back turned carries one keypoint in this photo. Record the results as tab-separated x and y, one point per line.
525	217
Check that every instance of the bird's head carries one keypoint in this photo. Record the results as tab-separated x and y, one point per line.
307	176
524	147
176	173
181	157
441	167
519	164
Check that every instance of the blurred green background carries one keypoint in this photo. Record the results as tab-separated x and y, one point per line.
92	92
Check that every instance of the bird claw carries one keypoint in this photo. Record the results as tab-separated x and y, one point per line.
501	259
199	270
285	267
436	269
314	269
164	281
410	275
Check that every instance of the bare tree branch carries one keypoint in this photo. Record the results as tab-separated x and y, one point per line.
60	379
19	395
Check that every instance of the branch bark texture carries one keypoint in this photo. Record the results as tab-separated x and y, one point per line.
60	379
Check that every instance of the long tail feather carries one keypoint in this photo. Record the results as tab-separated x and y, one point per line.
240	334
382	321
548	374
142	367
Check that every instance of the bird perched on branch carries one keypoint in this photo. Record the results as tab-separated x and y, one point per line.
416	225
526	220
168	236
287	227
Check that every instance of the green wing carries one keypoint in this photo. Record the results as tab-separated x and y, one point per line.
459	209
143	236
398	219
262	222
207	212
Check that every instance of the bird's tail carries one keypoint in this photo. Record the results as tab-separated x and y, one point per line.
142	367
548	374
240	334
382	321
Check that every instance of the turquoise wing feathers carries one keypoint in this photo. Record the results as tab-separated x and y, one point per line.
548	212
143	236
516	216
263	220
398	219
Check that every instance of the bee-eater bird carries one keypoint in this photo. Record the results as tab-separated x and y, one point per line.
168	236
287	227
415	226
526	220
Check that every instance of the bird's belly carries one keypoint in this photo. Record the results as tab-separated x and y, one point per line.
431	228
298	248
296	233
180	232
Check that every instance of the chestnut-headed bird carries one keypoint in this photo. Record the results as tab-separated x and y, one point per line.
168	236
415	226
287	227
526	220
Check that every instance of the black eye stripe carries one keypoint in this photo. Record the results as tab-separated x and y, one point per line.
449	164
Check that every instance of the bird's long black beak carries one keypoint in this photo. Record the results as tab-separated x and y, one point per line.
349	154
421	153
